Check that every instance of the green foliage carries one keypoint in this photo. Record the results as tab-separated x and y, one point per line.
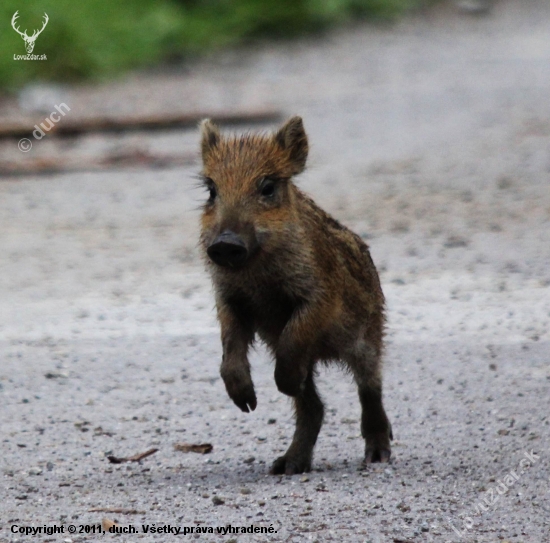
99	38
92	38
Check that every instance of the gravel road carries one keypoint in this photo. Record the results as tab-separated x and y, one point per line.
431	139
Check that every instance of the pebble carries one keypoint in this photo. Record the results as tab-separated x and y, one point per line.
35	471
454	242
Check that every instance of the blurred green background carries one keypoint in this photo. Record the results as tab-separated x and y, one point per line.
98	39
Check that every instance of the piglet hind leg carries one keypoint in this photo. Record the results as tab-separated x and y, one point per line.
309	419
375	426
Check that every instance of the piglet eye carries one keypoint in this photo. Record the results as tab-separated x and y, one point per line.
268	188
211	187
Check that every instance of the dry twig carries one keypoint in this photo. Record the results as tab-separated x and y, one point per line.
118	510
134	458
202	448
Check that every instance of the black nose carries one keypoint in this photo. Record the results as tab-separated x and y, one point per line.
228	249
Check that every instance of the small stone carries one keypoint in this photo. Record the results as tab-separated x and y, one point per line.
249	460
505	183
304	479
424	527
246	491
455	241
348	421
271	421
216	500
35	471
55	375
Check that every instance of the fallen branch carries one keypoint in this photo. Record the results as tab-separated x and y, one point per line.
202	448
135	458
118	510
75	127
132	158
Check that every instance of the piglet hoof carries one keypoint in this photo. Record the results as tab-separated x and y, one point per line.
374	454
241	390
245	399
290	466
377	447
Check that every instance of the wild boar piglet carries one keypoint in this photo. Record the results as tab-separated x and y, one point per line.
287	272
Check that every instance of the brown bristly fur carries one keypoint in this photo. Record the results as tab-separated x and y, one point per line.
308	289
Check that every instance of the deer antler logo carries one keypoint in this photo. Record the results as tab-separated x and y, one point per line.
29	40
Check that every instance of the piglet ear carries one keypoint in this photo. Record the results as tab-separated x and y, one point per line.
210	137
292	138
